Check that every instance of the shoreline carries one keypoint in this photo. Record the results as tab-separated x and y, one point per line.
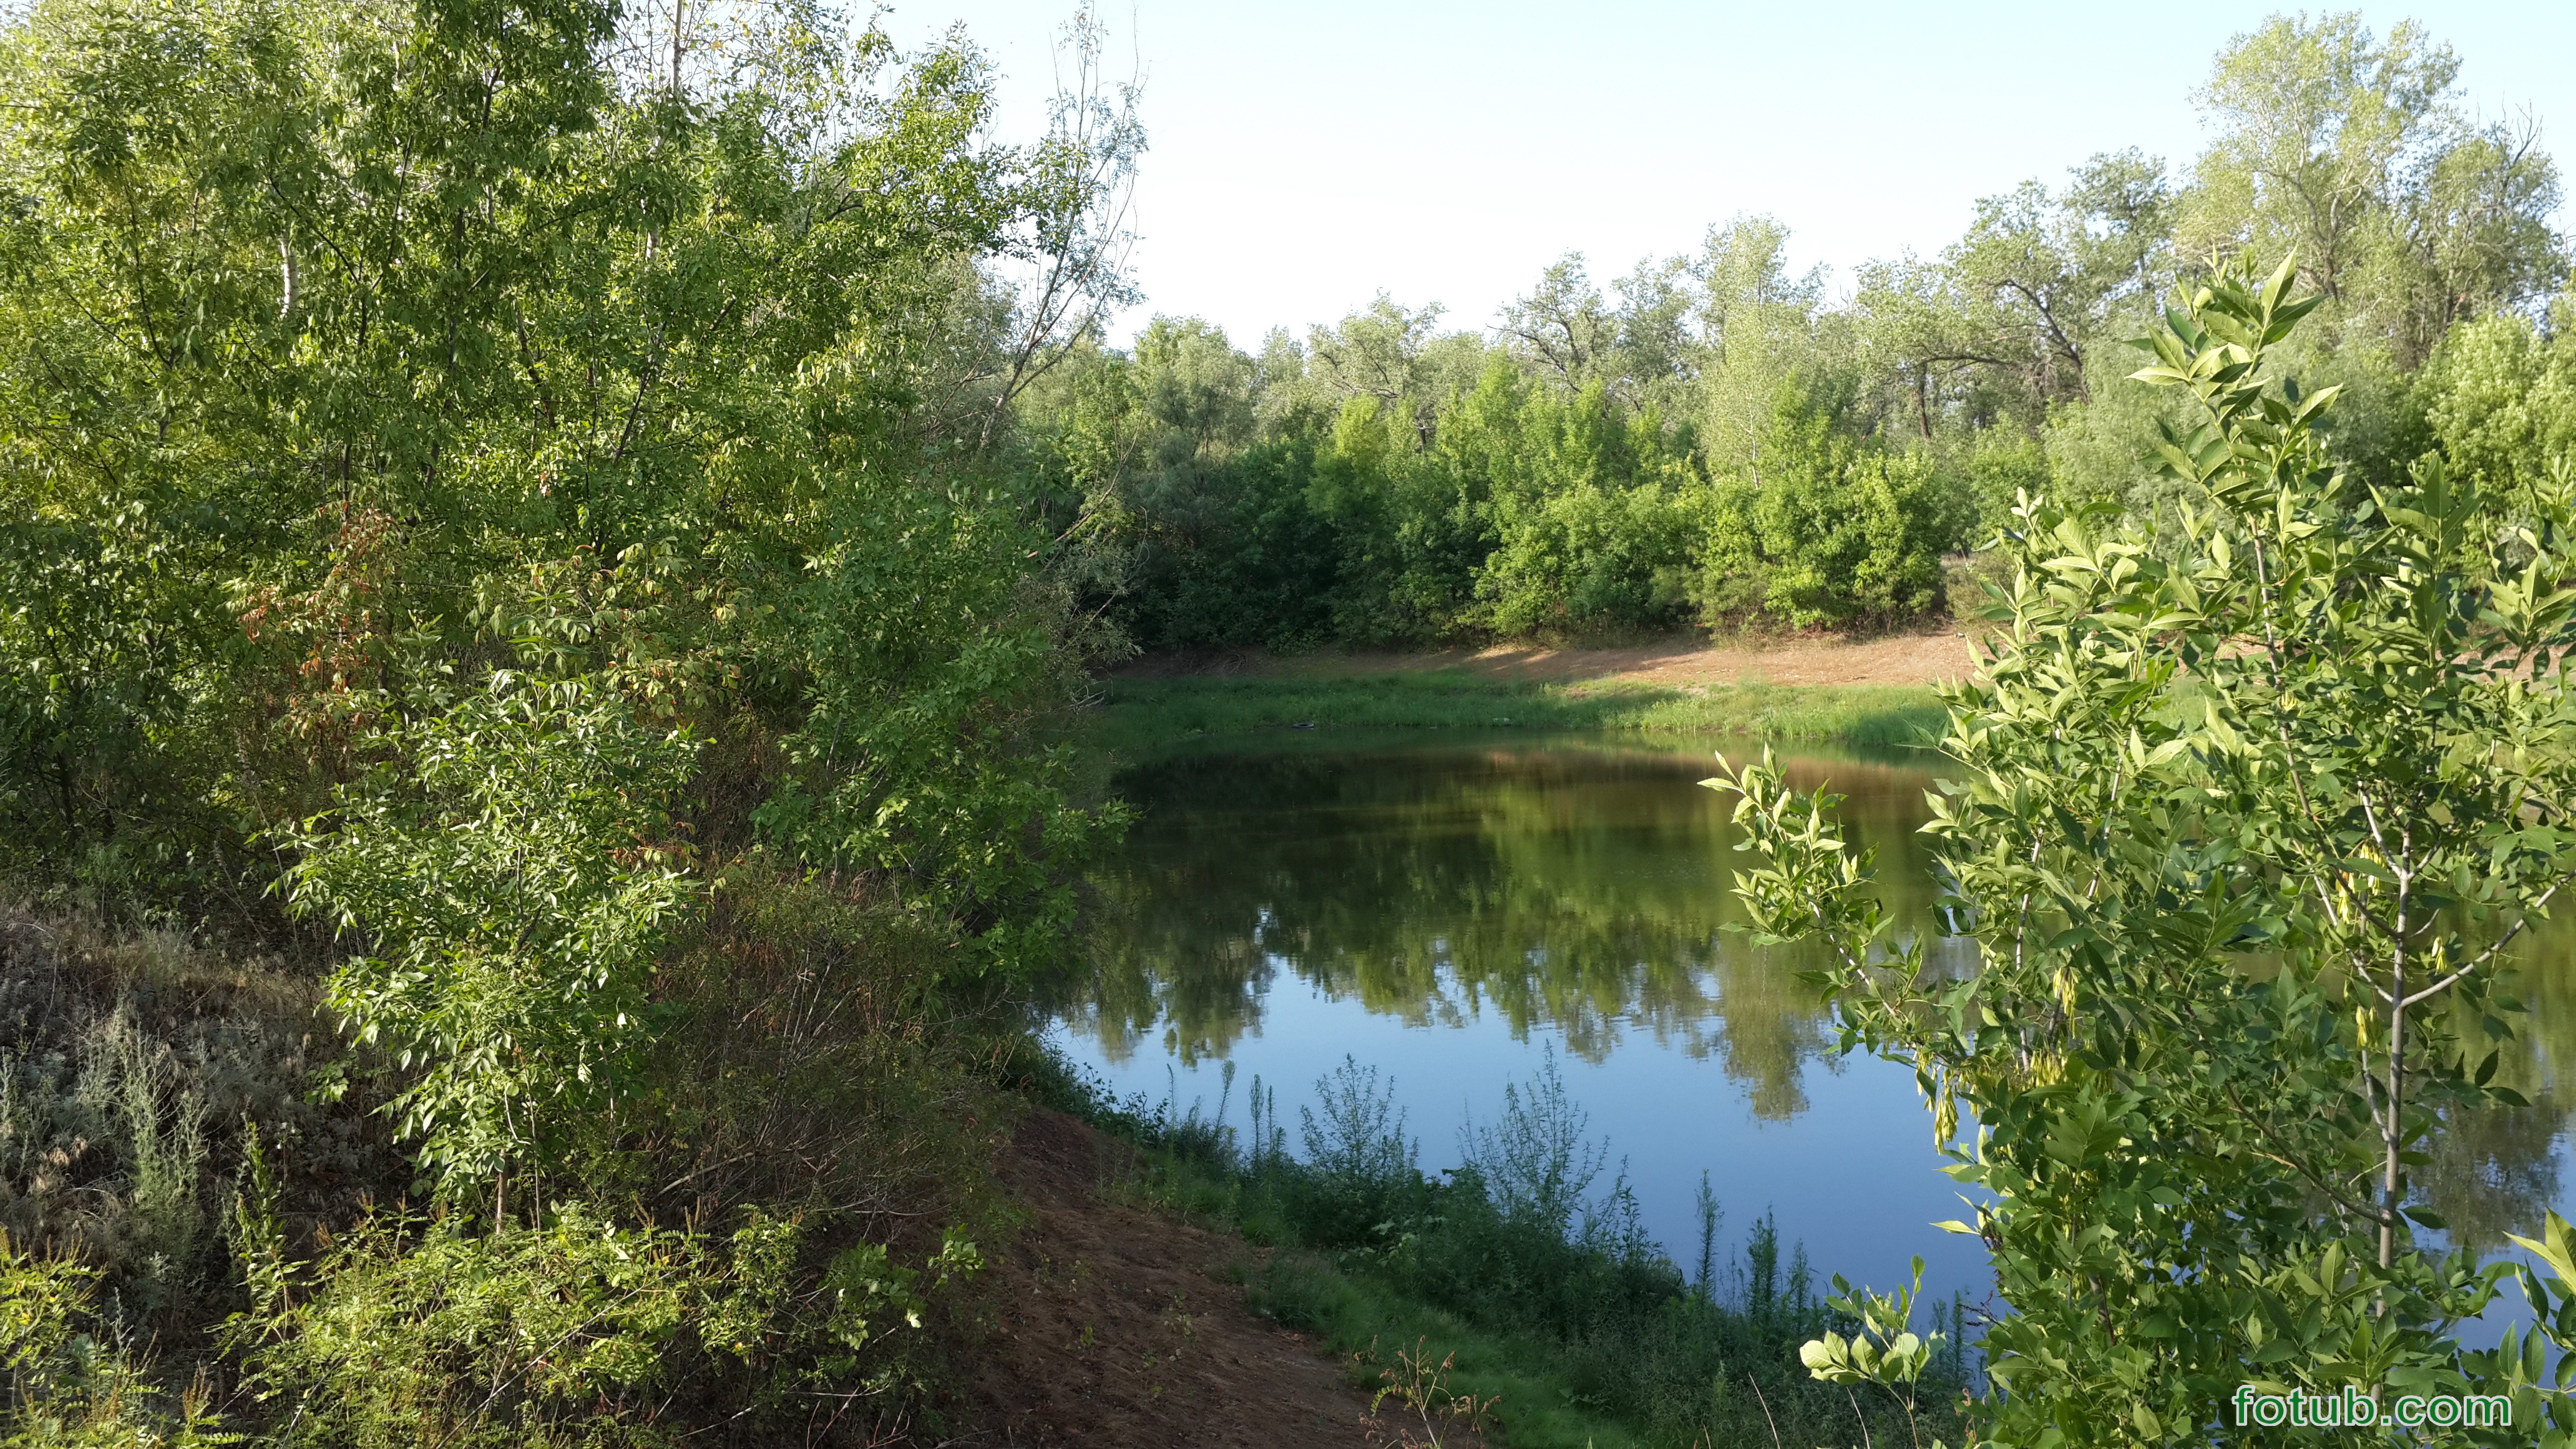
1139	716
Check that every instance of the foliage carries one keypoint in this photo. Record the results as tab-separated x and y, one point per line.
1538	493
2243	835
1607	461
1827	533
513	881
2349	151
1593	517
2500	399
69	1384
666	378
582	1331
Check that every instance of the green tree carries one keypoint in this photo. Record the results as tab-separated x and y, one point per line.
676	370
2500	396
1830	532
2001	328
1758	327
2348	150
2245	834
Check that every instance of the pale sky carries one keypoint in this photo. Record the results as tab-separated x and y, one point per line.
1305	156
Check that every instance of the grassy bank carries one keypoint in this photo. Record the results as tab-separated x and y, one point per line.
1141	716
1517	1290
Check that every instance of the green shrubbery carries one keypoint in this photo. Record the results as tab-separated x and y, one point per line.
581	1331
523	694
1510	507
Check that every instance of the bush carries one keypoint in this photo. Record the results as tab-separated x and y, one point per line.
583	1331
70	1382
1591	560
1830	533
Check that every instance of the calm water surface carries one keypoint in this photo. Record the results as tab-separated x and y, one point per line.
1458	912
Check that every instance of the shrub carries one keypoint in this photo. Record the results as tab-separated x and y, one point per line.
1590	560
510	873
67	1382
1827	532
584	1331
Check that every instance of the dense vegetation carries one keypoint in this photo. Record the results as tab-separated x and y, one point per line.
546	551
1717	439
472	479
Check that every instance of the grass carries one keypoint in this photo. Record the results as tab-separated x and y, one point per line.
1370	1322
1138	717
1521	1273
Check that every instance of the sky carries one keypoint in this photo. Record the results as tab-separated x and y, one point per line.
1305	156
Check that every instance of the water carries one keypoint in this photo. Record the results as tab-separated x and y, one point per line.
1457	911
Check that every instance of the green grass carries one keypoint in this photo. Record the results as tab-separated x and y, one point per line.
1369	1323
1145	716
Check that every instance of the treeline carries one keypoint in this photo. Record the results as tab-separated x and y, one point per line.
1717	440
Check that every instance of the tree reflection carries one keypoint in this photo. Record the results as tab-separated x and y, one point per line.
2495	1170
1581	888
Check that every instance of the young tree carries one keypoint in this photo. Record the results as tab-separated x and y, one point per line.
509	877
2246	833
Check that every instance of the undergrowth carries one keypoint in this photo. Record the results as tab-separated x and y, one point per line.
209	1234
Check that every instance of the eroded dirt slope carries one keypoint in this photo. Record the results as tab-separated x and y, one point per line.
1801	659
1112	1325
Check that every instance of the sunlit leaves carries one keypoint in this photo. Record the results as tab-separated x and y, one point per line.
2232	819
506	885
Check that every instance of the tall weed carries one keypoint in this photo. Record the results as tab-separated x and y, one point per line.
1524	1256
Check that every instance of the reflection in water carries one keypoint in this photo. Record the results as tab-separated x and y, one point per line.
2495	1171
1581	888
1578	888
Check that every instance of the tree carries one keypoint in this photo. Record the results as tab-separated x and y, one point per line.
1758	327
2245	833
2019	303
1563	326
509	879
673	368
2347	150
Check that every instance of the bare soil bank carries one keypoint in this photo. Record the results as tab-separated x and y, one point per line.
1114	1325
1927	658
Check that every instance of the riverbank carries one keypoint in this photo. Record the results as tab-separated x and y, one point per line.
1872	693
1143	716
1547	1321
1926	658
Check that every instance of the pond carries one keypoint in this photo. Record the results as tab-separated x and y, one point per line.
1461	912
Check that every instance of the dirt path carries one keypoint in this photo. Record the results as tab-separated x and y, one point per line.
1111	1325
1889	659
